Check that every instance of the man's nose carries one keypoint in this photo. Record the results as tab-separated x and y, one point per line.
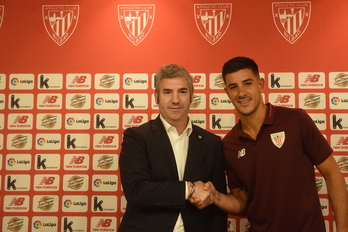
175	97
241	91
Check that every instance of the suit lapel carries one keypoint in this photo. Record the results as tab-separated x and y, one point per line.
193	155
165	145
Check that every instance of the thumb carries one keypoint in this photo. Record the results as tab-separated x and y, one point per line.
206	186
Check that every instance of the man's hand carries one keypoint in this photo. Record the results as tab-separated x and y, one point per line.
204	194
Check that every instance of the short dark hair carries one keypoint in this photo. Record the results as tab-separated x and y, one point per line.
237	63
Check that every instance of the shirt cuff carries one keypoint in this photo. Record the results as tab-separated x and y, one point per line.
186	190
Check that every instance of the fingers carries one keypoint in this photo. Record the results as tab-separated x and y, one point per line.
197	203
203	195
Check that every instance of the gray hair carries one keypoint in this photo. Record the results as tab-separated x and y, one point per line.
171	71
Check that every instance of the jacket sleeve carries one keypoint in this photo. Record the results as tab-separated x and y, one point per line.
144	184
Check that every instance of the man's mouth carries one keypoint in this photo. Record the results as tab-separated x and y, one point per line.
244	101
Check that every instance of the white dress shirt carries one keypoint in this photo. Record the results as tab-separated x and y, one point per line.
180	147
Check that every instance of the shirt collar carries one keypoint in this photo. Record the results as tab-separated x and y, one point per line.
268	120
168	127
270	114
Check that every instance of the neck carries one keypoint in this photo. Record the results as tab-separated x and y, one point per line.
180	128
251	124
179	125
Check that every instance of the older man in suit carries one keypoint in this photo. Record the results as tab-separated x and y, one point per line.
164	161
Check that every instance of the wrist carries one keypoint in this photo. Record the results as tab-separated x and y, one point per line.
192	189
217	198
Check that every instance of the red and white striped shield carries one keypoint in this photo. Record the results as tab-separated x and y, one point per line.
60	21
136	21
278	139
213	20
291	18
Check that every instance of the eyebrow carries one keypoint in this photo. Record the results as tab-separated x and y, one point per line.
246	80
184	88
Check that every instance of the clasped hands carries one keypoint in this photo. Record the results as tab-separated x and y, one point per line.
204	194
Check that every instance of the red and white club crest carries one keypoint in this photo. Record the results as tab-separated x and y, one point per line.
60	21
291	18
1	14
213	20
136	21
278	139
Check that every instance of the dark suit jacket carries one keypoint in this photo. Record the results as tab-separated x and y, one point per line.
149	177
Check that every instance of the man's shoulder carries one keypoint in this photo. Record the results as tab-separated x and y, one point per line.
285	109
141	128
232	134
279	110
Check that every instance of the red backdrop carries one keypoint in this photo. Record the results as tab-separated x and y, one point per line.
75	74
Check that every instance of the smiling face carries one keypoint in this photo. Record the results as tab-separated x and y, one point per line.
244	90
174	99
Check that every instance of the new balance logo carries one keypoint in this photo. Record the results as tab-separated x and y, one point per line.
241	153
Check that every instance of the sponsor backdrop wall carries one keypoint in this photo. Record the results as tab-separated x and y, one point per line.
75	74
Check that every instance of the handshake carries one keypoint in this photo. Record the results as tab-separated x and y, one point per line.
203	194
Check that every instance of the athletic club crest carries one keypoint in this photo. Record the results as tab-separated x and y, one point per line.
60	21
278	139
213	20
136	21
291	18
1	14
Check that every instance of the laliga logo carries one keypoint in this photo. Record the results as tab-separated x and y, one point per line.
14	81
215	101
37	224
41	141
70	121
335	101
128	81
98	183
68	203
99	101
11	162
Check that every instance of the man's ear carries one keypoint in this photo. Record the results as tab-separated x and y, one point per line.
156	98
262	84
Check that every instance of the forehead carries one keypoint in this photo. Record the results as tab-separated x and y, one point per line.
174	82
239	76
